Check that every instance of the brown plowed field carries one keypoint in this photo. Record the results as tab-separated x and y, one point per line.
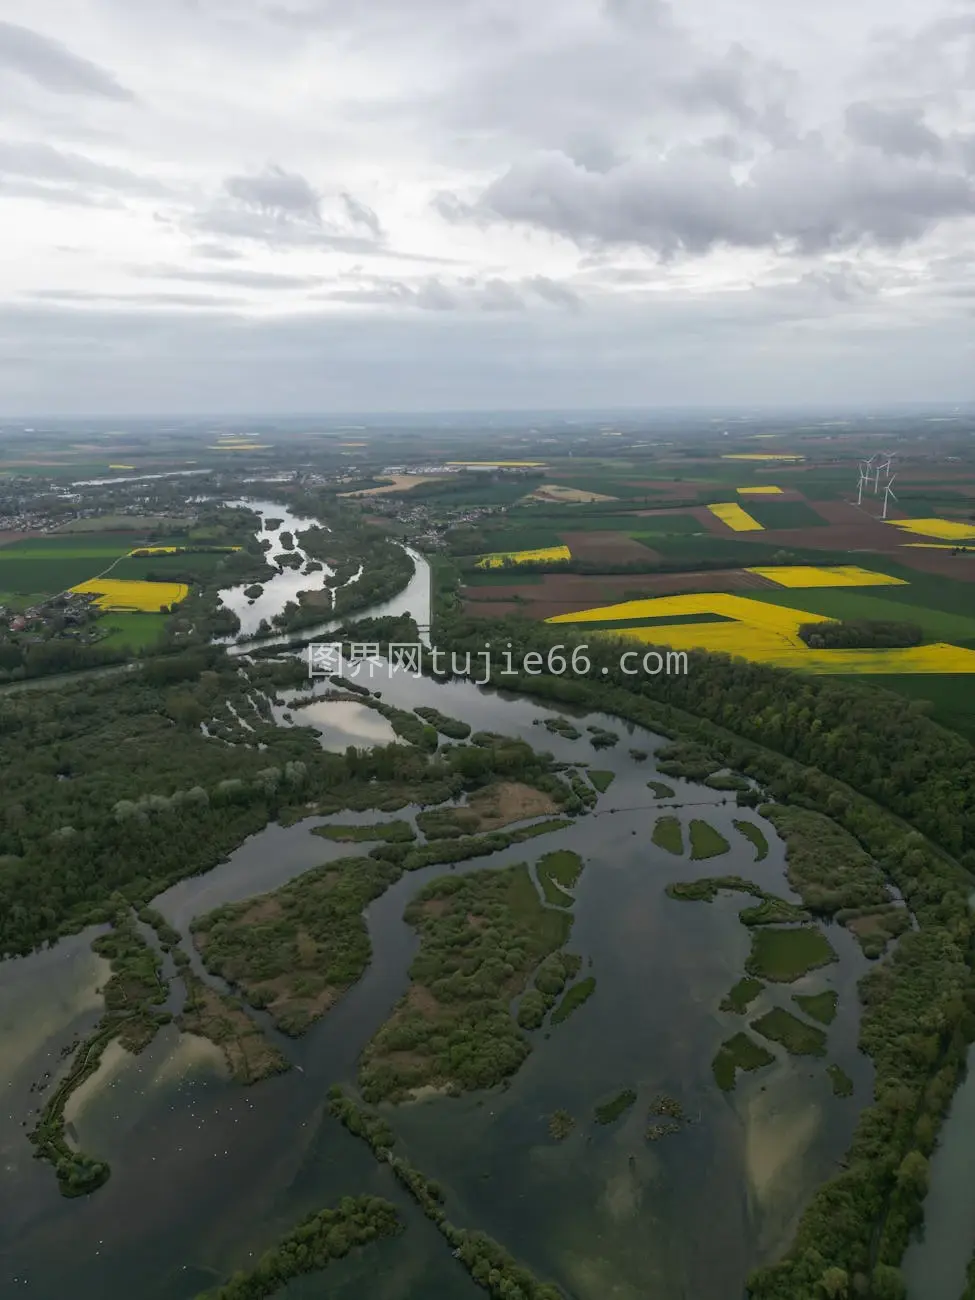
567	593
611	548
7	539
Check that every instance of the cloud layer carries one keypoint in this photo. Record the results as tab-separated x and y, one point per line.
305	203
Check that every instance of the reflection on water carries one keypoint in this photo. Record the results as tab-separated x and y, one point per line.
279	590
344	722
206	1174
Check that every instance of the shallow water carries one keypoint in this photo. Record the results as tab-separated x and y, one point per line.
205	1173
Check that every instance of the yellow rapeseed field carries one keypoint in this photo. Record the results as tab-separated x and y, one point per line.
121	467
240	446
835	575
766	634
496	560
117	595
501	464
948	529
758	491
731	513
759	455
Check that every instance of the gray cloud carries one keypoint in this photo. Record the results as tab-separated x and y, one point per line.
134	299
53	66
897	129
688	201
465	294
70	172
282	208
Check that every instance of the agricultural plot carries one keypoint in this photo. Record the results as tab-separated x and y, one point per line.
117	596
946	529
132	631
785	514
836	575
46	566
762	631
735	517
856	606
539	556
759	491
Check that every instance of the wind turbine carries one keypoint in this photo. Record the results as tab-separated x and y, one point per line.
885	468
862	470
888	493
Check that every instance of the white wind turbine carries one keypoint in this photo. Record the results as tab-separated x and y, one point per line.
885	468
889	494
864	467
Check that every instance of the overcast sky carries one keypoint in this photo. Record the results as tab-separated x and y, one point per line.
337	205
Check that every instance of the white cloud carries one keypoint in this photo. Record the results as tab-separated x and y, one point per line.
567	200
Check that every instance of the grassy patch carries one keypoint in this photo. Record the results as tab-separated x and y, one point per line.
818	1006
133	631
741	995
706	842
601	780
612	1110
660	790
784	955
573	998
841	1081
560	1125
397	832
797	1038
452	728
213	1015
557	874
738	1053
756	835
667	834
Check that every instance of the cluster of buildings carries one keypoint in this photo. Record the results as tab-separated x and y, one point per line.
68	615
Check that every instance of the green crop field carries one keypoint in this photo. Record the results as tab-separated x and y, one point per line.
132	631
854	603
783	514
48	565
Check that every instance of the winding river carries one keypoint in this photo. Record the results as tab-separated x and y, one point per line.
206	1174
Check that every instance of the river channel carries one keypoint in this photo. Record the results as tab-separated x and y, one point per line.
206	1174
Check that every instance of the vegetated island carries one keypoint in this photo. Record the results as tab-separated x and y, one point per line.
610	1111
770	910
558	873
602	780
312	1246
781	956
397	832
562	727
818	1006
573	998
560	1125
667	834
741	995
481	936
841	1081
134	988
488	1263
550	979
798	1038
661	790
738	1053
706	842
756	835
452	728
213	1015
297	950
